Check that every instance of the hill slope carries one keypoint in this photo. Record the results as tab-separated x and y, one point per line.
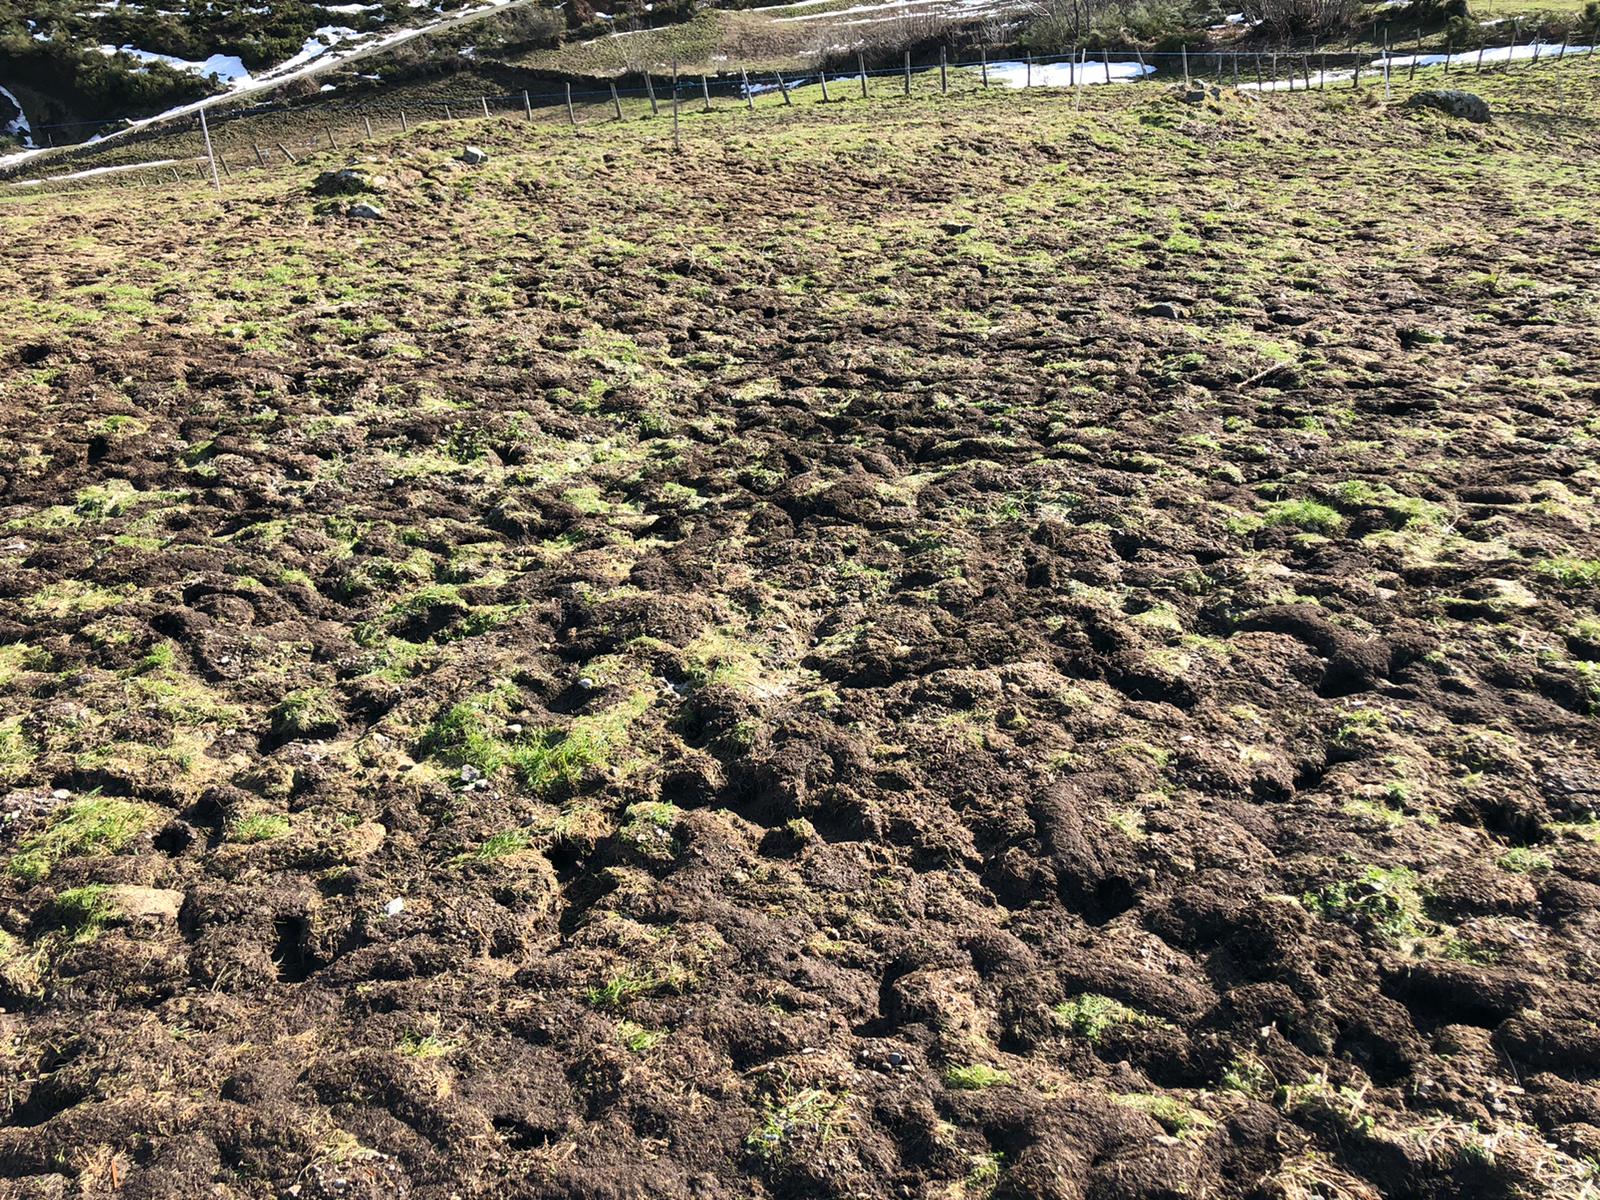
915	648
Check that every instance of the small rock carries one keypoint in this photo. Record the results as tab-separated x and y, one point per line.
155	904
473	156
366	212
1453	103
395	907
469	773
586	683
1166	310
61	794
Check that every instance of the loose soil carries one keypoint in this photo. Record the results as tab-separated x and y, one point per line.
911	650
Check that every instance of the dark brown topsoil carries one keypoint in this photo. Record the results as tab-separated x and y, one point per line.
1019	740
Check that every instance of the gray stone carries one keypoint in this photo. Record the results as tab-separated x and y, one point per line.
473	156
1166	310
366	212
1451	102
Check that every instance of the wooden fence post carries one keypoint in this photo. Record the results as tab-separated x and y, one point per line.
1184	50
749	96
484	100
286	153
615	102
784	88
404	126
861	66
944	79
572	117
705	91
260	160
367	121
205	131
983	63
333	145
825	85
651	88
527	104
677	145
908	72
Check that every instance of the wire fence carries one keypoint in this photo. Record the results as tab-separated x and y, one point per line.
651	94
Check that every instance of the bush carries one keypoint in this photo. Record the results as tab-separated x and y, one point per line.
1060	25
521	28
1296	18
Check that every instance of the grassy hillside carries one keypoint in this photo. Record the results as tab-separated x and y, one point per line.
938	648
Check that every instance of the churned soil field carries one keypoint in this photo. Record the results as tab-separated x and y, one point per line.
929	649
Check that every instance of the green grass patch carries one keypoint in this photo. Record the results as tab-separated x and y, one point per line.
1570	572
1092	1015
90	826
971	1077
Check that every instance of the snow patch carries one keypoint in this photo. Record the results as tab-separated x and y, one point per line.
91	171
227	68
1016	74
18	126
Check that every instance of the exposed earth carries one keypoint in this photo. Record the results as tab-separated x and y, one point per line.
930	649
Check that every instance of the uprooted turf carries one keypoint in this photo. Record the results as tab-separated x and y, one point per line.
914	649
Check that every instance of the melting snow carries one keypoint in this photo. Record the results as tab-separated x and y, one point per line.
1015	74
18	125
116	170
1497	54
1402	62
227	68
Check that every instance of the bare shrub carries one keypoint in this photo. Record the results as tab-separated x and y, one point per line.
1292	18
